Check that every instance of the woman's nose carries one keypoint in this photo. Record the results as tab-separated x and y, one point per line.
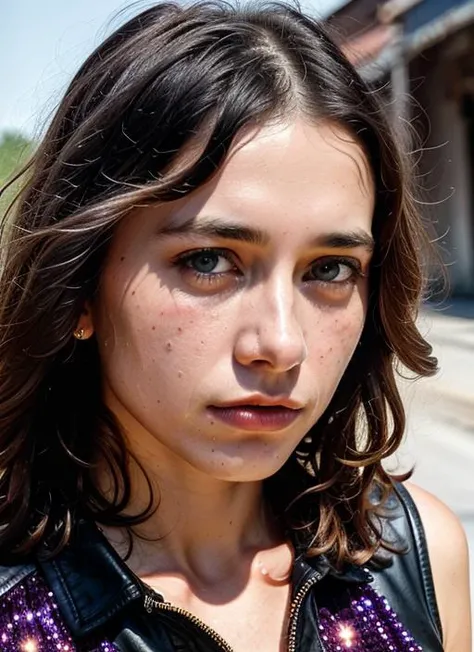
271	332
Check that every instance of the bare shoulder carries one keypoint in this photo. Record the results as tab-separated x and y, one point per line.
449	557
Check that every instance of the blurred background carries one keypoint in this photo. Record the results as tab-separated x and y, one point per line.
419	54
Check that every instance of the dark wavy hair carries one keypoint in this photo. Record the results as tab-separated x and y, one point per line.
172	77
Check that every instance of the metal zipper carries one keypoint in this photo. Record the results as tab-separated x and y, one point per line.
156	601
152	603
295	610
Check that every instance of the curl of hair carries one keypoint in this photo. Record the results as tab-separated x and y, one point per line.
188	79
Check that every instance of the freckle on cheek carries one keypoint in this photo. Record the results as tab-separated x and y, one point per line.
153	328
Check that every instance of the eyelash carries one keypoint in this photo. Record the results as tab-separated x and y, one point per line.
352	263
183	262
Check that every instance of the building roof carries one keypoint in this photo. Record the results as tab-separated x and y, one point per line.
367	47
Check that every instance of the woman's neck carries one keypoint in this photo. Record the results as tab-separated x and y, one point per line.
203	528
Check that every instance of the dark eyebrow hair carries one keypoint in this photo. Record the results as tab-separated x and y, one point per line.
216	228
212	227
346	240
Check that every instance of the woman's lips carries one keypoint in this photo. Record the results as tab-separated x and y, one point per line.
256	417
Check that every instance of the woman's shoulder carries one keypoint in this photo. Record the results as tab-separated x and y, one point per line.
426	578
449	561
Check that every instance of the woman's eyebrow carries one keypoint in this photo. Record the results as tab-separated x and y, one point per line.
216	228
346	240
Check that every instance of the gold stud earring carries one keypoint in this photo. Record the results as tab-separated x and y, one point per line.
79	333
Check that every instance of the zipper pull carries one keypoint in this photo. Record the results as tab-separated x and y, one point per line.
148	604
152	601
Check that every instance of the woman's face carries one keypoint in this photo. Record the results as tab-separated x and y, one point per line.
225	320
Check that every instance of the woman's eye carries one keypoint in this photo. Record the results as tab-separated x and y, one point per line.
207	263
334	271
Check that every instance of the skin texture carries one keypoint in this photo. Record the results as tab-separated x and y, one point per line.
172	345
265	322
180	332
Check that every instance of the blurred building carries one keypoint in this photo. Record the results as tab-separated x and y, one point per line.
424	50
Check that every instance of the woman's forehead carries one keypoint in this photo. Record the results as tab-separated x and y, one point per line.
296	169
277	180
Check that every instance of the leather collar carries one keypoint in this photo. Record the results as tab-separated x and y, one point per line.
92	584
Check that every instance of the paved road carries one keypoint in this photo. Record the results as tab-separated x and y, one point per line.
440	432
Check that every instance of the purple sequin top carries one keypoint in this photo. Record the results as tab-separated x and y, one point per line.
30	622
368	625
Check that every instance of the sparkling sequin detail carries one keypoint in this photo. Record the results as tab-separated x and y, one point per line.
30	622
369	624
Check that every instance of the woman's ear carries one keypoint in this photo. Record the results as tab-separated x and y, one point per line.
85	326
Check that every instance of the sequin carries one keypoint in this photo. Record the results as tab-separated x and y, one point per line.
369	624
30	622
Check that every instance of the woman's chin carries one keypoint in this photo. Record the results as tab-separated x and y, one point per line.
243	468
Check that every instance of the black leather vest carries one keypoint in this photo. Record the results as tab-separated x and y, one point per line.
98	595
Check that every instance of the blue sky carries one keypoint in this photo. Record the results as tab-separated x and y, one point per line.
43	42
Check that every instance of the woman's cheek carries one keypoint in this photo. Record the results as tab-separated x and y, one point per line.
337	343
173	338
